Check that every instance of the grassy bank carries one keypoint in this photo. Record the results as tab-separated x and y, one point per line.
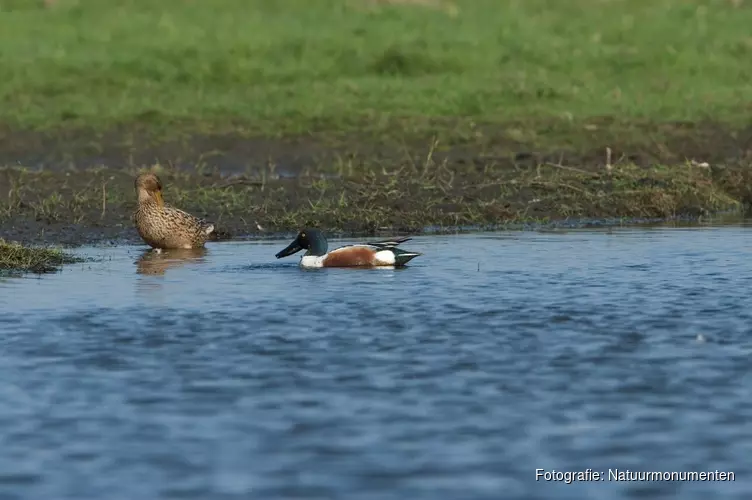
86	205
15	257
292	66
367	114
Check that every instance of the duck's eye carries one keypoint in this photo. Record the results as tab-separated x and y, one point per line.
302	235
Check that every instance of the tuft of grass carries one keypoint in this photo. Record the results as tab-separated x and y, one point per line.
15	257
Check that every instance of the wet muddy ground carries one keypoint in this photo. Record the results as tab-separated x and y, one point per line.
75	187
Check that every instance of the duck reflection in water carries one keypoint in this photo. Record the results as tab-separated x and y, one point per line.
157	263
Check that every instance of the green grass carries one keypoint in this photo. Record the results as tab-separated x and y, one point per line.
15	257
291	66
523	97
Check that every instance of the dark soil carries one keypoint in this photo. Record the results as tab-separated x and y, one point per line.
75	187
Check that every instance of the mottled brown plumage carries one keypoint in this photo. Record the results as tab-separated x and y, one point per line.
162	226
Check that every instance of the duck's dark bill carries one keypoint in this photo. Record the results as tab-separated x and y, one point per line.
291	249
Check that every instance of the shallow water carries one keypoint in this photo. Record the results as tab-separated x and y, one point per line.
233	375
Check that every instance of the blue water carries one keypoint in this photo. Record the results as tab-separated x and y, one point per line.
230	374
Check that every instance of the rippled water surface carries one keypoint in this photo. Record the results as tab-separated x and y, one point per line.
233	375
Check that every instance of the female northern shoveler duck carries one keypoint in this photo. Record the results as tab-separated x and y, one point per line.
378	254
162	226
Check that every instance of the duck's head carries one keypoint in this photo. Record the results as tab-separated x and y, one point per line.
149	188
312	240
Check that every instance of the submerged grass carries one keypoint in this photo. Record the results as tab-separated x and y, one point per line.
15	257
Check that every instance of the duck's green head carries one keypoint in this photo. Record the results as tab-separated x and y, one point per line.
312	240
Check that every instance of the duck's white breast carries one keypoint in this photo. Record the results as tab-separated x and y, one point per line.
312	261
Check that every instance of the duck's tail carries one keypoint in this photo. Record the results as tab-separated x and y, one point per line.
402	257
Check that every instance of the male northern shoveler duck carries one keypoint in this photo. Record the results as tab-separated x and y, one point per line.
162	226
378	254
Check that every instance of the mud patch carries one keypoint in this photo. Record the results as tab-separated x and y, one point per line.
588	145
76	187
